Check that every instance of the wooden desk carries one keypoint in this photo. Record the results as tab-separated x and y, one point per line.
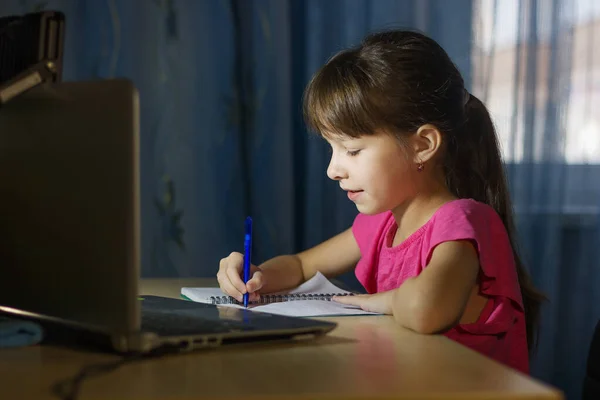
365	357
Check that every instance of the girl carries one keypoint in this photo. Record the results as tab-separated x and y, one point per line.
433	243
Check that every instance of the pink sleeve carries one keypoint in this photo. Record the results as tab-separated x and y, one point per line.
481	225
366	229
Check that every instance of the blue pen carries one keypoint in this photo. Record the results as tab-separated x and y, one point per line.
247	254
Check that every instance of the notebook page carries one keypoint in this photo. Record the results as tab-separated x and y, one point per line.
318	284
305	308
201	295
310	308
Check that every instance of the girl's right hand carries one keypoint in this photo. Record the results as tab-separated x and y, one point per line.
230	278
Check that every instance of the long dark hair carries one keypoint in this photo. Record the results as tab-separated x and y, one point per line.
399	81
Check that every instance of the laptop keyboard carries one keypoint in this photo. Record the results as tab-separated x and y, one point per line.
174	324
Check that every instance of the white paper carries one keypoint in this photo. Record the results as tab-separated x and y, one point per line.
318	284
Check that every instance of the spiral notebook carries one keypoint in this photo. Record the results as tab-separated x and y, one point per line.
310	299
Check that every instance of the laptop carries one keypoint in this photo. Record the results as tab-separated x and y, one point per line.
70	229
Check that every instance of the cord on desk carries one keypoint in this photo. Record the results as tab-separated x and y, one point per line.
68	389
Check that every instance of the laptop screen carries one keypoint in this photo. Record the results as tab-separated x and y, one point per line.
69	167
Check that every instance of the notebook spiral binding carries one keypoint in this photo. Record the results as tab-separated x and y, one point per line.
276	298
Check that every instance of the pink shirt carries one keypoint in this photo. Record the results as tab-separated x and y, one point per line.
499	332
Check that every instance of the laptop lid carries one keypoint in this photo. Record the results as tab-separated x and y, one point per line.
70	247
69	167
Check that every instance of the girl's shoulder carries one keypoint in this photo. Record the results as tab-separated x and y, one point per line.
467	211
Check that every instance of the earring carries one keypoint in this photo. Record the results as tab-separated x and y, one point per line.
420	167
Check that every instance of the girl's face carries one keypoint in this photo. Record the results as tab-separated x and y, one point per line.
374	170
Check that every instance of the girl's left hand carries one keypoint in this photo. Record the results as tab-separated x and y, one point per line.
378	302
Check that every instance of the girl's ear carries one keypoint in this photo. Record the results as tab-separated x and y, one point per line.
426	143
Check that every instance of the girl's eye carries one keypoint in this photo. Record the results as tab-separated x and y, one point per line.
352	153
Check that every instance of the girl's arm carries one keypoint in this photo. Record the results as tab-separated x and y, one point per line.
436	299
332	257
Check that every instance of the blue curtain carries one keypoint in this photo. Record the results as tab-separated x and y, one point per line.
222	135
221	83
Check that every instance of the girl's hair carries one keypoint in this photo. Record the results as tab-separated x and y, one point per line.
398	81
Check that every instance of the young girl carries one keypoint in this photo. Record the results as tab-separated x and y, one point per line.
433	243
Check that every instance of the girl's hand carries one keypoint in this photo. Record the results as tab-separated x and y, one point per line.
378	302
230	278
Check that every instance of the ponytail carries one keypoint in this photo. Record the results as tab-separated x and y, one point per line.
474	170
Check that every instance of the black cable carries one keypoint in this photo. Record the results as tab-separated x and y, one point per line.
68	389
